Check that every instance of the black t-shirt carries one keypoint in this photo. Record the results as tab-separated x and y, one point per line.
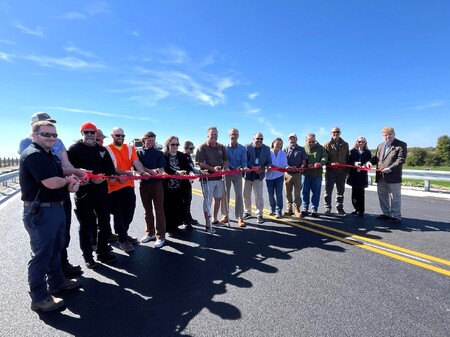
36	165
94	158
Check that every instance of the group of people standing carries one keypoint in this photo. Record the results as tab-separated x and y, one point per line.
102	178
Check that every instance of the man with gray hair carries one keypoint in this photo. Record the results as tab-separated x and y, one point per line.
259	158
213	157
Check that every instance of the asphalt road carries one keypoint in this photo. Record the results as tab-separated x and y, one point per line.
332	276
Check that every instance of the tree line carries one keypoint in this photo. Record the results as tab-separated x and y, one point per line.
430	156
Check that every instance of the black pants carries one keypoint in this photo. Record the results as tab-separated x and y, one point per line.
68	213
186	191
358	199
92	207
122	205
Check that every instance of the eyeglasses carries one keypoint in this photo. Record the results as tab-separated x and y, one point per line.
119	136
88	132
191	148
259	138
175	144
311	142
361	141
48	134
337	132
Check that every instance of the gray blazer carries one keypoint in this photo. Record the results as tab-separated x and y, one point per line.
394	160
265	160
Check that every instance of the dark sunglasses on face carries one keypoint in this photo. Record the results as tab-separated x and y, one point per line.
175	144
361	142
338	132
48	134
89	132
191	148
119	136
259	138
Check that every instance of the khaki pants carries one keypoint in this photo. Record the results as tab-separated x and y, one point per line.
293	183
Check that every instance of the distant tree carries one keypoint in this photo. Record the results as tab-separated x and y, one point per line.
442	150
417	156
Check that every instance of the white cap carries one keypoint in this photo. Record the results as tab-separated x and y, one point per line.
292	135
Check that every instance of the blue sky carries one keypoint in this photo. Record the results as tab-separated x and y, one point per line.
176	67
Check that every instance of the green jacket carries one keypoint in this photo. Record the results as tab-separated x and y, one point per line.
316	154
337	154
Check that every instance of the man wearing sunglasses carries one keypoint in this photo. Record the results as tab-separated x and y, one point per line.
258	157
91	200
121	191
43	187
338	153
59	150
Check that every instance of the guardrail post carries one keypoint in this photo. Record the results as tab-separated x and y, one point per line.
426	186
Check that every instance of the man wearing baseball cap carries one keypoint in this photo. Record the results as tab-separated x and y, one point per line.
91	200
296	156
68	169
100	137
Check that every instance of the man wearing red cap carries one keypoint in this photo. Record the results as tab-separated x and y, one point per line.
91	200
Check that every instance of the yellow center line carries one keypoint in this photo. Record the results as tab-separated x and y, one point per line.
363	245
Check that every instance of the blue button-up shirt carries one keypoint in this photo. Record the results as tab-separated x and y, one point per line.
237	156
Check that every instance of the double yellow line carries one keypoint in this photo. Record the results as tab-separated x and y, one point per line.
396	252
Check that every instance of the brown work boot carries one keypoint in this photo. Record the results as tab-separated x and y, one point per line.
224	219
241	223
297	212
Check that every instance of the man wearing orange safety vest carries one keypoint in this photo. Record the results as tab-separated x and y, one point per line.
121	191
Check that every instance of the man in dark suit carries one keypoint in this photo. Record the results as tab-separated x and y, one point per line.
390	157
258	156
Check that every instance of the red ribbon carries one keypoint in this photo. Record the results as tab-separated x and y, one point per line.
211	175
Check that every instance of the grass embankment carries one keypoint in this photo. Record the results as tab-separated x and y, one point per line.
420	183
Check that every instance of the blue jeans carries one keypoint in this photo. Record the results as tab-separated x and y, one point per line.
311	185
46	229
275	187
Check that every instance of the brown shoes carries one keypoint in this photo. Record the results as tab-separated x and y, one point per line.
224	219
241	223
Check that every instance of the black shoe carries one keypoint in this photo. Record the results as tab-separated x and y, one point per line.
303	213
354	213
327	211
71	271
90	263
113	237
106	258
383	217
188	227
194	222
360	214
314	214
341	212
395	220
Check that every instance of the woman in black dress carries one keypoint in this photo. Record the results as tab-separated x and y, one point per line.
176	164
357	179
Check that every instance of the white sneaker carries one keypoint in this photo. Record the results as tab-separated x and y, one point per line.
159	243
148	238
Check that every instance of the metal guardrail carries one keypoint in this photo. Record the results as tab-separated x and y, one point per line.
426	175
5	177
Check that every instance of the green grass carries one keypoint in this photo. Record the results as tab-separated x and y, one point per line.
421	183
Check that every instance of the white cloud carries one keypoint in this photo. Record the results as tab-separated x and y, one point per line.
7	42
99	113
135	33
72	49
5	57
249	109
65	62
207	90
173	55
429	105
35	32
72	16
101	7
253	95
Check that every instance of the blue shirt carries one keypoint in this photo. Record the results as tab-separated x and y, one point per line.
237	156
57	149
151	158
295	155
